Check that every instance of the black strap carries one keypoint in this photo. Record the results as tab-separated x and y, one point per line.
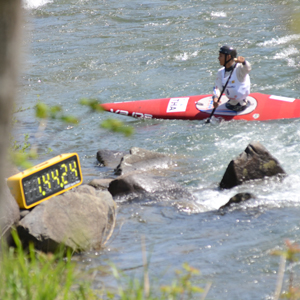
227	61
213	111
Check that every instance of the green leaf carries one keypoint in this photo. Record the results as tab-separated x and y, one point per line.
94	104
70	119
117	126
41	110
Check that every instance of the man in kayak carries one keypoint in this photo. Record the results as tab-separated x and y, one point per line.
238	87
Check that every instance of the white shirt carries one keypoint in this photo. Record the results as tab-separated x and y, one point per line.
239	86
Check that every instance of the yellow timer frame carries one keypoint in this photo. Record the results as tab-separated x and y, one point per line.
50	178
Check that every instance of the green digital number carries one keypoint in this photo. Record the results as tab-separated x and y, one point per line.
64	174
40	185
46	182
74	168
55	178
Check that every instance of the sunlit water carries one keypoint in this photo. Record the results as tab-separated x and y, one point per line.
132	50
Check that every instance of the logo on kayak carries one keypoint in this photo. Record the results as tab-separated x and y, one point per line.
134	114
177	104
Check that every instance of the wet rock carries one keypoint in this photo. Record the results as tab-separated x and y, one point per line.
238	198
80	220
142	160
110	158
147	185
254	163
100	184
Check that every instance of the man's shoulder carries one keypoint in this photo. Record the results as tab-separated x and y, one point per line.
221	70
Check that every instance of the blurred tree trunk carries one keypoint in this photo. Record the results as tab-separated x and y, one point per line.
10	28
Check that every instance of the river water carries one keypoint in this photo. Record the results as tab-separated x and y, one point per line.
132	50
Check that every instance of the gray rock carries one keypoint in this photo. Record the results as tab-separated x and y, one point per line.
84	189
100	184
254	163
110	158
142	160
238	198
149	186
80	220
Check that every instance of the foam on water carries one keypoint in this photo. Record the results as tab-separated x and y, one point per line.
185	56
280	40
286	55
220	14
33	4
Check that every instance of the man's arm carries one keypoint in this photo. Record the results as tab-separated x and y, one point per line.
217	89
243	68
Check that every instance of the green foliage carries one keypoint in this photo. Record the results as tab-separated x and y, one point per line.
109	124
25	146
32	275
55	112
22	159
93	104
21	154
117	126
38	276
291	255
181	288
19	109
43	111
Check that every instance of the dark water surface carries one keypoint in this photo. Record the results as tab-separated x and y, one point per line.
132	50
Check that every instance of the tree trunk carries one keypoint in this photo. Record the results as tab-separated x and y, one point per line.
10	27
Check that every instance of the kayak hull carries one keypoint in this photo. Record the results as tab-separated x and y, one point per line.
261	107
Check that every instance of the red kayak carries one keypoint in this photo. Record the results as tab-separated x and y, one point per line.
260	107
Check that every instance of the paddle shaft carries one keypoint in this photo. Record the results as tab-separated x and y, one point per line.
213	111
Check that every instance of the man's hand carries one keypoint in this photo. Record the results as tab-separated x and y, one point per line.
215	101
239	59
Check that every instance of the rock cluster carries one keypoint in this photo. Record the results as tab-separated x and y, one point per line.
84	218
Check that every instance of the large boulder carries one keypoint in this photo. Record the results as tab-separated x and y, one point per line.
142	160
143	184
254	163
81	219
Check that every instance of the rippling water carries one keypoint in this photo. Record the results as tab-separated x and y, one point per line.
132	50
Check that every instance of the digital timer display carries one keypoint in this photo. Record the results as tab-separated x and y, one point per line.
46	180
